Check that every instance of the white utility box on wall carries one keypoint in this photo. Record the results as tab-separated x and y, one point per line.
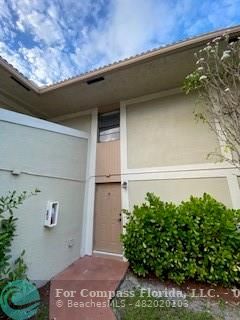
51	214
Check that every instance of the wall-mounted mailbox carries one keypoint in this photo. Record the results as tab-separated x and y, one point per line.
51	214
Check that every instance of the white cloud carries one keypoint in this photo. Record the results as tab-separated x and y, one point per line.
33	18
132	27
13	58
46	64
5	12
6	23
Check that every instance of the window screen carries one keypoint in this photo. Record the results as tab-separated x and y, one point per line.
109	126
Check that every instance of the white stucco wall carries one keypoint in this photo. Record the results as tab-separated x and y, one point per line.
42	151
55	163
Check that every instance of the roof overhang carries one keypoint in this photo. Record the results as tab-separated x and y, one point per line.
154	71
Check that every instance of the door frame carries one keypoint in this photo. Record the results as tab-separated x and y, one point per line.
89	200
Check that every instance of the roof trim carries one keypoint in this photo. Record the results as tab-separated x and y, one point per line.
18	75
139	58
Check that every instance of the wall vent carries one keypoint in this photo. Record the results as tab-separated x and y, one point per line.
94	80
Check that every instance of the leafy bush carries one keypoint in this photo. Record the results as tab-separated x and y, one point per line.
198	239
17	270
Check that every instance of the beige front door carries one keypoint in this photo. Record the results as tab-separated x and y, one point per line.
107	224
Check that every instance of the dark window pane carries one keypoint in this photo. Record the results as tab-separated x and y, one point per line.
109	126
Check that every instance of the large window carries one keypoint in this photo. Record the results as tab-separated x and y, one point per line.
109	126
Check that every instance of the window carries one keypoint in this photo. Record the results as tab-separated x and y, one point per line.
109	126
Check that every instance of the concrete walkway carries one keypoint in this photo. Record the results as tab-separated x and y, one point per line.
83	291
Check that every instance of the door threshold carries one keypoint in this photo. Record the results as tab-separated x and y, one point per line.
109	255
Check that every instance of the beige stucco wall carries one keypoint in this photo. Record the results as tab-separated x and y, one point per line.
163	132
81	123
43	155
176	190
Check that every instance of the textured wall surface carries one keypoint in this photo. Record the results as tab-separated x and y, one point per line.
163	132
42	151
55	164
176	190
80	123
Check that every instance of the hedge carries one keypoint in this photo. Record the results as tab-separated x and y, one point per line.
198	239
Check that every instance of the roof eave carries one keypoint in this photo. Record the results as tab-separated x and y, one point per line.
187	44
184	45
16	74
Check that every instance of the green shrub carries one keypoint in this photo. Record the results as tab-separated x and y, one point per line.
17	270
198	239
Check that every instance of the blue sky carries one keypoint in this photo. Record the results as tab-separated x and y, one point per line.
51	40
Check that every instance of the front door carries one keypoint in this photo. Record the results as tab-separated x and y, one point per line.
107	224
